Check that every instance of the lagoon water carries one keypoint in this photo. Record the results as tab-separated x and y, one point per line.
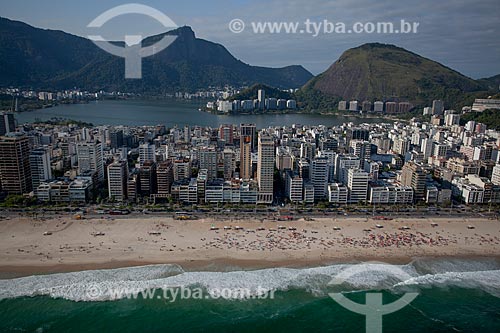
171	113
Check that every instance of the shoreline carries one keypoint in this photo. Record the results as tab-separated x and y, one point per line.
114	242
330	112
215	265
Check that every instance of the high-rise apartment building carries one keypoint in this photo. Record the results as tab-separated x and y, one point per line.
90	158
15	172
261	96
208	161
182	169
265	167
251	131
226	133
246	157
319	177
437	107
357	183
7	123
146	153
116	139
117	180
40	166
147	179
361	149
165	177
229	163
413	175
342	164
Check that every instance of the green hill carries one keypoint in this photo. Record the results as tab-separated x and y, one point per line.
54	59
387	72
492	83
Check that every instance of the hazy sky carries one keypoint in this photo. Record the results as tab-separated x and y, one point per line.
461	34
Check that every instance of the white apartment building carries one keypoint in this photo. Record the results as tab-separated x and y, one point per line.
117	180
338	193
357	183
90	158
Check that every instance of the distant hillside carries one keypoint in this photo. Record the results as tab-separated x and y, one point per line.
54	59
31	57
491	83
251	93
387	72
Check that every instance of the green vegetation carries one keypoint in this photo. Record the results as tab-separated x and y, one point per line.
314	100
7	103
386	72
416	113
251	93
453	98
53	59
48	59
492	83
18	201
63	122
490	118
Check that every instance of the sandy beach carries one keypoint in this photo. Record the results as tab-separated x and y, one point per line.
120	242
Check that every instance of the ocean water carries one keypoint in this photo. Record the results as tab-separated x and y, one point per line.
453	296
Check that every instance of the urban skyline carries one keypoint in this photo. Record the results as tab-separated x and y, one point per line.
387	163
236	166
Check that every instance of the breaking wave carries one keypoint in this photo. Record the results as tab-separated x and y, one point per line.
481	274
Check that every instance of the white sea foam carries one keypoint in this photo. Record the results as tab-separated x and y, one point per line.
71	285
435	266
488	281
75	286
